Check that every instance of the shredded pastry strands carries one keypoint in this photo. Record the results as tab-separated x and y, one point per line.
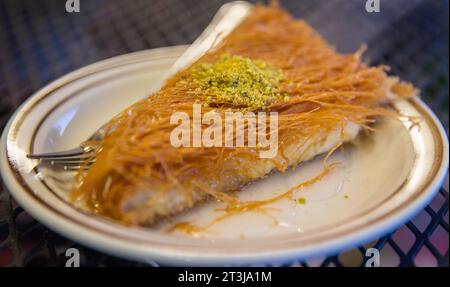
315	92
237	207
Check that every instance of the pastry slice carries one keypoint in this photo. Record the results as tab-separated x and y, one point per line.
270	63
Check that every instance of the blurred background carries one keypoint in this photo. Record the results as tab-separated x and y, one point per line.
40	41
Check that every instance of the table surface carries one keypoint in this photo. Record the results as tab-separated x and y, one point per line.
40	41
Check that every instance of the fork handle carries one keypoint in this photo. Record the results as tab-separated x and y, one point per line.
56	155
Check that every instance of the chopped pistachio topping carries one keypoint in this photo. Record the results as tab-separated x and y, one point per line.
240	81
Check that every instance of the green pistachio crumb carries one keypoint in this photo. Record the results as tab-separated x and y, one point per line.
301	200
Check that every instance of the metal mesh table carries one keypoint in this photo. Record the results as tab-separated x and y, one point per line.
40	41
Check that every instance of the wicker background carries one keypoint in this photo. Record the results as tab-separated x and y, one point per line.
39	42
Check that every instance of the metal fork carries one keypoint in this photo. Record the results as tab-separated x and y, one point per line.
225	20
72	159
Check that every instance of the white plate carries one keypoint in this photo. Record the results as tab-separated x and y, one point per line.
384	179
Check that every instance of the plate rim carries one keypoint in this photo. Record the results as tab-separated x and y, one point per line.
174	256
